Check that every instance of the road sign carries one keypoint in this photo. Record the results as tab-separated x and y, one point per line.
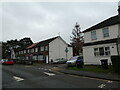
66	50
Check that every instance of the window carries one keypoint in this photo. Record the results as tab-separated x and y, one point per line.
102	51
36	49
34	57
46	48
105	32
40	57
24	51
42	48
96	52
28	51
93	35
107	51
32	50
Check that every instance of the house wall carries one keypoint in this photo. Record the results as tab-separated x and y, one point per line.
89	57
57	49
113	32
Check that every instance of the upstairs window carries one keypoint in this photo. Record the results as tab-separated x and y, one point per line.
93	35
24	51
105	32
36	49
46	48
42	48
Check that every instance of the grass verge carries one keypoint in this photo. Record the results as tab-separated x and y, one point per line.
93	68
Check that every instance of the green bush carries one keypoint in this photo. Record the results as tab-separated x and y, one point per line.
116	63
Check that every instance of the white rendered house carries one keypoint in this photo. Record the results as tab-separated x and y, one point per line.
101	40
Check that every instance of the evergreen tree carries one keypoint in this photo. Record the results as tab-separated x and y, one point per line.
77	40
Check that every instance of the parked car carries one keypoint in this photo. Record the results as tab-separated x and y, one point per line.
75	61
8	62
28	62
2	61
60	61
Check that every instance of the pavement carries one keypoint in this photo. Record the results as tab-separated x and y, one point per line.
62	69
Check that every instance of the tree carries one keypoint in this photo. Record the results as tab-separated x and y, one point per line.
13	45
77	40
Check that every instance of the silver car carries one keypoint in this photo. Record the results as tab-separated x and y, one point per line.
73	61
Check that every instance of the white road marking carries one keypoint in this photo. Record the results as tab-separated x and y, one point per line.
50	74
18	78
101	86
109	81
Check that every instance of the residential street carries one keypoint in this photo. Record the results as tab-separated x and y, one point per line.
36	76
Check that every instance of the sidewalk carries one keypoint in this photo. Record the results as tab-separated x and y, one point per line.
113	77
62	68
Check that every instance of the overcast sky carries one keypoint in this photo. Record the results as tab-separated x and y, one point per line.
43	20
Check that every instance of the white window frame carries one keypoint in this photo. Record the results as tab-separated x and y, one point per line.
40	57
46	48
93	35
36	49
105	32
105	53
42	48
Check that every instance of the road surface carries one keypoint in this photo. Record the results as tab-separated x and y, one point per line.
31	76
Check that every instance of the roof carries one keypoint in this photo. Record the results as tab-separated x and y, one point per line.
34	44
108	22
41	43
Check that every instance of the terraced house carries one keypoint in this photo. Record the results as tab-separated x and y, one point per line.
102	40
46	51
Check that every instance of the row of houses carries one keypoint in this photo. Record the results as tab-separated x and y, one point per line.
101	41
46	51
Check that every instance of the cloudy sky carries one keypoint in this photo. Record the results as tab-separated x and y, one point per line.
43	20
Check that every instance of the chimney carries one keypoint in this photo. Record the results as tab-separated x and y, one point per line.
119	8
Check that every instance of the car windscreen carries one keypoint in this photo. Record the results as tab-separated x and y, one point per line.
80	58
74	58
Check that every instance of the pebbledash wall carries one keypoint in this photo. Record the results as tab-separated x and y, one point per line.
113	32
57	49
88	51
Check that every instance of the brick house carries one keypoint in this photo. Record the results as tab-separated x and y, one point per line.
45	51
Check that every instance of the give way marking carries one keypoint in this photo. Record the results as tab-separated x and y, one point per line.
18	78
50	74
102	86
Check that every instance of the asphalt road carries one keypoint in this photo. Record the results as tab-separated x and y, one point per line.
31	76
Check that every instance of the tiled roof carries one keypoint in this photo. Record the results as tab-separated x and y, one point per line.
41	43
108	22
34	44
